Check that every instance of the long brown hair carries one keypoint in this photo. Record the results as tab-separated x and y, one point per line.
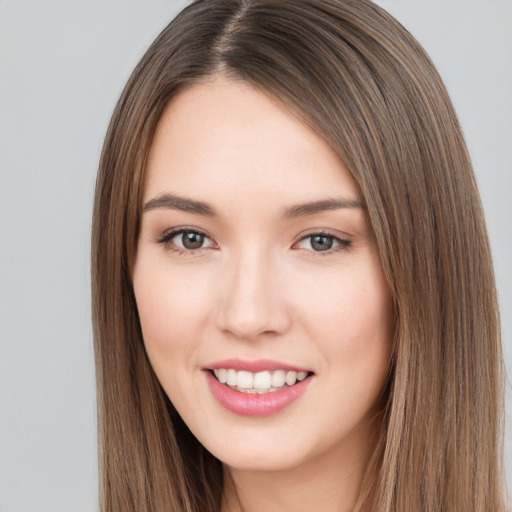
361	81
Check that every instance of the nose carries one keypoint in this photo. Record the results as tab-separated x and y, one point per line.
253	302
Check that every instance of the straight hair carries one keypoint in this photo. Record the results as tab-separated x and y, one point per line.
363	83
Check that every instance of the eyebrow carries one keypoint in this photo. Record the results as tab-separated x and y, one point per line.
175	202
180	203
302	210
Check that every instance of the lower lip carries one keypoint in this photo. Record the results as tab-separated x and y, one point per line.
255	405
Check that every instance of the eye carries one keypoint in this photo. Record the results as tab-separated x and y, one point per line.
186	240
322	242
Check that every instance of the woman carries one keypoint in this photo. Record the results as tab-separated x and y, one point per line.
294	302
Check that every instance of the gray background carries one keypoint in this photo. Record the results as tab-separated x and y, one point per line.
63	65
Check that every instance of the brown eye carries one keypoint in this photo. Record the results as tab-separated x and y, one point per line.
191	240
184	240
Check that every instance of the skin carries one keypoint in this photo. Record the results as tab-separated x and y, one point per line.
259	289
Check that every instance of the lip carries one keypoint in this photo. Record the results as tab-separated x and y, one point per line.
255	405
259	365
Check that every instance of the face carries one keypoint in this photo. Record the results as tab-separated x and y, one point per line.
263	306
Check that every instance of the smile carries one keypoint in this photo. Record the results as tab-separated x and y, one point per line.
256	389
258	383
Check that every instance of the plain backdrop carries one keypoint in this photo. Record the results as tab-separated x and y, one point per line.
62	67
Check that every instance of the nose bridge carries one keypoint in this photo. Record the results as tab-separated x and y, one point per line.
252	302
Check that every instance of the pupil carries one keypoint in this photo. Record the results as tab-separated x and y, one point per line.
192	240
322	243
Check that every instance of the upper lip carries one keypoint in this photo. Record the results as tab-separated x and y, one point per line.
255	366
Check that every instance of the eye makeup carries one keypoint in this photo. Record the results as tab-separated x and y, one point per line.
189	241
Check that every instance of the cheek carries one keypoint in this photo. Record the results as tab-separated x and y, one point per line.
354	305
173	309
351	319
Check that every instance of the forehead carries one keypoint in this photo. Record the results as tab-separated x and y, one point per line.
224	137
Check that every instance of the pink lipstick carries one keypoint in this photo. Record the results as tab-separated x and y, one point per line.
256	388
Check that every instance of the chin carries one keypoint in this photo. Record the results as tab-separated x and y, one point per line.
253	460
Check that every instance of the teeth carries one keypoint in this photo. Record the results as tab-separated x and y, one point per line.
261	382
222	375
278	379
291	378
244	380
231	378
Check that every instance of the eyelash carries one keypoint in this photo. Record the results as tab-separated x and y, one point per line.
340	244
165	240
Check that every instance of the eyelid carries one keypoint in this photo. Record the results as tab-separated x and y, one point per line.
341	243
167	236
